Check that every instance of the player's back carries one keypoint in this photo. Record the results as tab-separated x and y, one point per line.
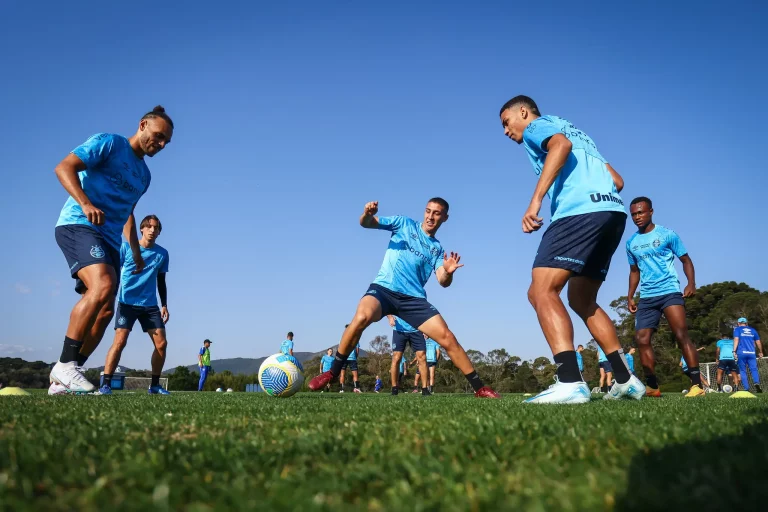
747	336
286	346
726	349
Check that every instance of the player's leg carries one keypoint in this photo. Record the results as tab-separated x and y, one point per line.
113	358
342	376
369	310
719	379
419	346
421	360
544	296
394	371
608	379
675	315
355	379
96	332
742	361
735	377
582	298
436	328
203	377
160	342
752	365
431	378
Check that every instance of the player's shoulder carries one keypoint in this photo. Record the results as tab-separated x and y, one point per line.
161	250
632	239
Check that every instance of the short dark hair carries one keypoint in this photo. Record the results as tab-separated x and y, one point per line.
580	345
290	334
524	100
206	341
442	202
145	222
642	199
158	111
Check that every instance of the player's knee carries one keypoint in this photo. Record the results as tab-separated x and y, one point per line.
161	345
361	320
681	335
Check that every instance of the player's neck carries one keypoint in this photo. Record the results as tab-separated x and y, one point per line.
136	147
146	243
647	229
424	229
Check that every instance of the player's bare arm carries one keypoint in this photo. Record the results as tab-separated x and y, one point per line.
130	234
450	265
759	346
634	282
690	274
66	172
617	179
558	148
391	319
368	218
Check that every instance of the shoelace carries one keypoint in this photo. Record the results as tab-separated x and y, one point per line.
75	375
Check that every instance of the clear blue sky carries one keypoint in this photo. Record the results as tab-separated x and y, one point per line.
290	116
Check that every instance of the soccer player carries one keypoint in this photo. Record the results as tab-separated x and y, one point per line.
403	335
580	358
378	385
351	363
745	340
606	370
433	356
137	300
204	362
631	359
588	221
687	371
325	365
726	362
286	347
651	253
105	177
402	371
412	255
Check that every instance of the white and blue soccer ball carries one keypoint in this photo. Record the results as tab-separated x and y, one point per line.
219	390
281	375
728	388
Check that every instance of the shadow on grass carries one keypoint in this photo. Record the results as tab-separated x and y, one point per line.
724	473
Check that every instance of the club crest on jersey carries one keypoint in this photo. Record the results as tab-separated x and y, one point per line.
97	251
656	243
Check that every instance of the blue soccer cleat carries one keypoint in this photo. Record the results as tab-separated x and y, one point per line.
105	390
157	390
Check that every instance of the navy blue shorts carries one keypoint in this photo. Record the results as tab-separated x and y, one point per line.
148	316
606	365
84	246
649	309
431	364
413	310
583	244
351	365
401	339
728	365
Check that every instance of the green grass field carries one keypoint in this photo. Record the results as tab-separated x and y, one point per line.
377	452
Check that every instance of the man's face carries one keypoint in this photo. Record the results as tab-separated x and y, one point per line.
434	216
641	214
581	348
151	230
207	345
329	351
515	120
154	135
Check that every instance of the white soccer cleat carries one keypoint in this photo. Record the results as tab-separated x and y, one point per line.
633	388
562	393
68	376
57	389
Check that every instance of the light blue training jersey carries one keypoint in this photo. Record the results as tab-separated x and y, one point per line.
580	361
286	346
411	257
141	289
114	180
654	254
326	361
726	349
584	184
432	349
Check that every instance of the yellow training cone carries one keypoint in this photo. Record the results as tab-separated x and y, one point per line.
743	394
13	391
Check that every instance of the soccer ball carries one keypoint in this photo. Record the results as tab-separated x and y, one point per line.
219	390
728	388
230	390
281	375
685	391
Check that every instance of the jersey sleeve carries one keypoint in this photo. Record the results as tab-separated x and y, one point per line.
440	260
125	247
538	133
630	257
202	351
720	344
164	264
95	150
392	224
676	245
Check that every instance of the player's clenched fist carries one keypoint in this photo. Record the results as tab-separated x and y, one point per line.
371	208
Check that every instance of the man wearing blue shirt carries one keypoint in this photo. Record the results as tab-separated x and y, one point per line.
325	365
351	364
286	347
403	335
412	256
580	358
105	177
433	357
726	362
588	221
746	343
651	254
137	300
631	359
606	370
204	362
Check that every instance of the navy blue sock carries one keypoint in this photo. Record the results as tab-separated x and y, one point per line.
567	367
338	363
70	351
474	380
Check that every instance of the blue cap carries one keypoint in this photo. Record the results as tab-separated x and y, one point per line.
742	320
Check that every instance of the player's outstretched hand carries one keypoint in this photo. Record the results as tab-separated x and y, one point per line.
371	208
631	305
165	315
139	261
531	220
689	291
93	214
451	262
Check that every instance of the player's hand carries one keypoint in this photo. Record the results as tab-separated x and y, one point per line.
139	261
451	262
200	365
371	208
165	315
93	214
531	220
690	290
391	321
631	305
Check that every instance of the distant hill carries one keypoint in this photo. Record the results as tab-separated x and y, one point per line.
248	365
